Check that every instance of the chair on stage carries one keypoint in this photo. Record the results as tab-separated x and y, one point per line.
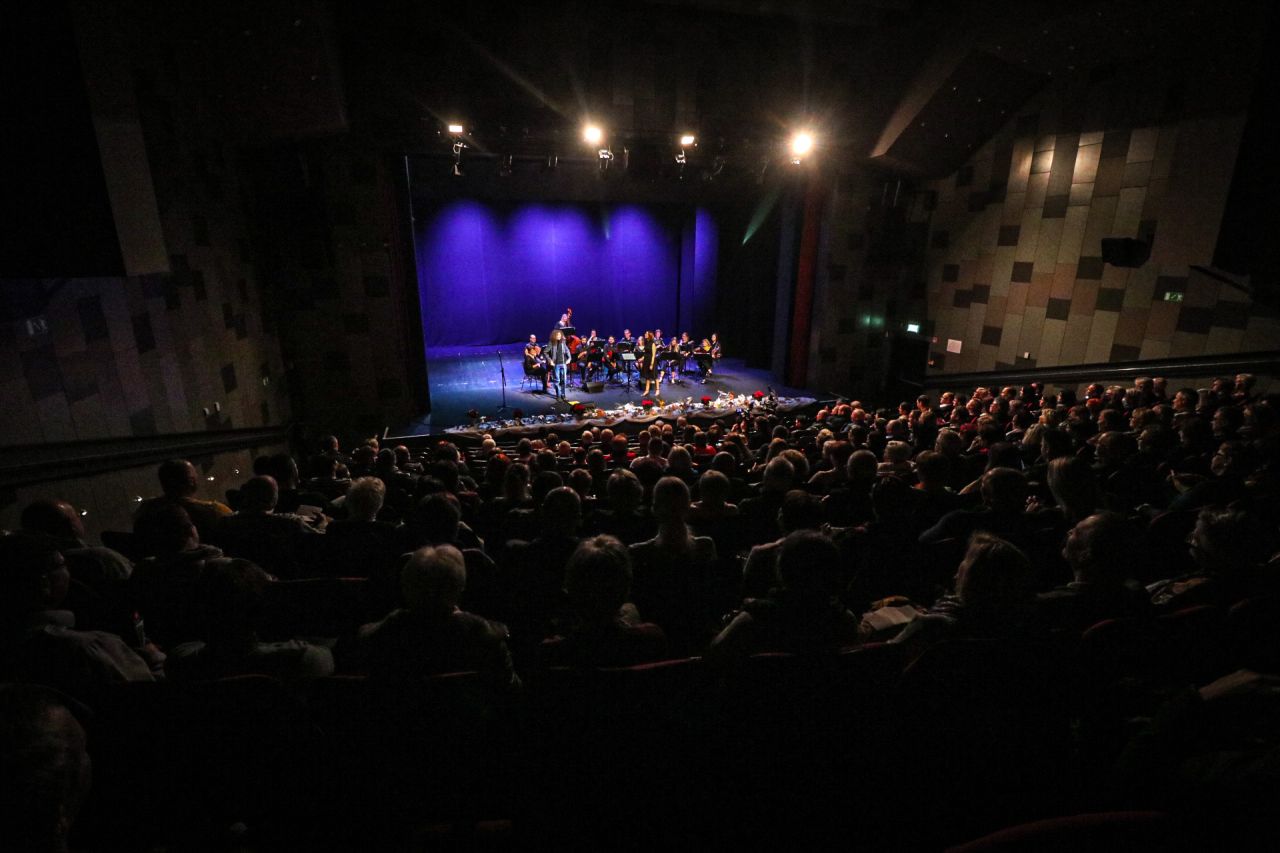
530	378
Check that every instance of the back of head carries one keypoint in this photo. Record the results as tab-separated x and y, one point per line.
933	469
177	478
800	511
437	517
232	595
1003	454
433	579
779	474
364	498
165	529
892	499
724	463
259	494
1004	489
671	500
598	577
713	488
625	491
561	511
386	460
52	518
994	574
544	484
44	768
862	466
808	565
282	467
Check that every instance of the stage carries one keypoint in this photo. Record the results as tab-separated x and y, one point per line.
463	379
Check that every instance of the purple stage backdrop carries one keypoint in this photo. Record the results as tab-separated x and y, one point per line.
492	274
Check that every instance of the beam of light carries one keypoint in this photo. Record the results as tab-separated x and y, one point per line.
801	143
761	213
592	134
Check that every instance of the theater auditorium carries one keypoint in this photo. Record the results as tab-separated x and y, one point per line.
676	424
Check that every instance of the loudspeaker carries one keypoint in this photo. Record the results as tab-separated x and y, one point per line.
1125	251
593	387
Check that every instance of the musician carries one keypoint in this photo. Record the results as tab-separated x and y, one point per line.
558	354
592	355
626	337
715	348
685	343
534	364
611	356
648	358
564	322
702	355
671	366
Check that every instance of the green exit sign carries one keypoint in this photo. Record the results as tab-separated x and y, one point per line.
1172	296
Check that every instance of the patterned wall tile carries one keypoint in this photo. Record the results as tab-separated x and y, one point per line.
1086	164
1058	309
1109	299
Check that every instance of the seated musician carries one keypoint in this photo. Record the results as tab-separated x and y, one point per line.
592	339
703	356
673	359
627	338
611	356
534	364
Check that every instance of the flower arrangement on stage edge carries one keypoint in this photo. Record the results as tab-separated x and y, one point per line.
577	408
648	404
706	401
759	395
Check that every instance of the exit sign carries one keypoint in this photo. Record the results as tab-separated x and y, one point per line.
1172	296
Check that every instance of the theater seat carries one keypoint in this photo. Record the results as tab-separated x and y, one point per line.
316	607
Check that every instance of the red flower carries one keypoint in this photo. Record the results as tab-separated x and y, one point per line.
648	404
759	395
705	399
578	408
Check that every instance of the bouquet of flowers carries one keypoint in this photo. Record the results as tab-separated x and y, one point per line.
759	395
648	404
706	401
578	409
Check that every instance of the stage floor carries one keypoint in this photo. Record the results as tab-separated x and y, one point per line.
465	378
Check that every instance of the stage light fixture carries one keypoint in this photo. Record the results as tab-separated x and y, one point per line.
687	140
593	134
801	145
456	128
913	328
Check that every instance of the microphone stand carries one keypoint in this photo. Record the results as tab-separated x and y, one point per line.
502	368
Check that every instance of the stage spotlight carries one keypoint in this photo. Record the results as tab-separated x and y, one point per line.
456	128
593	134
606	157
801	145
687	140
504	166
